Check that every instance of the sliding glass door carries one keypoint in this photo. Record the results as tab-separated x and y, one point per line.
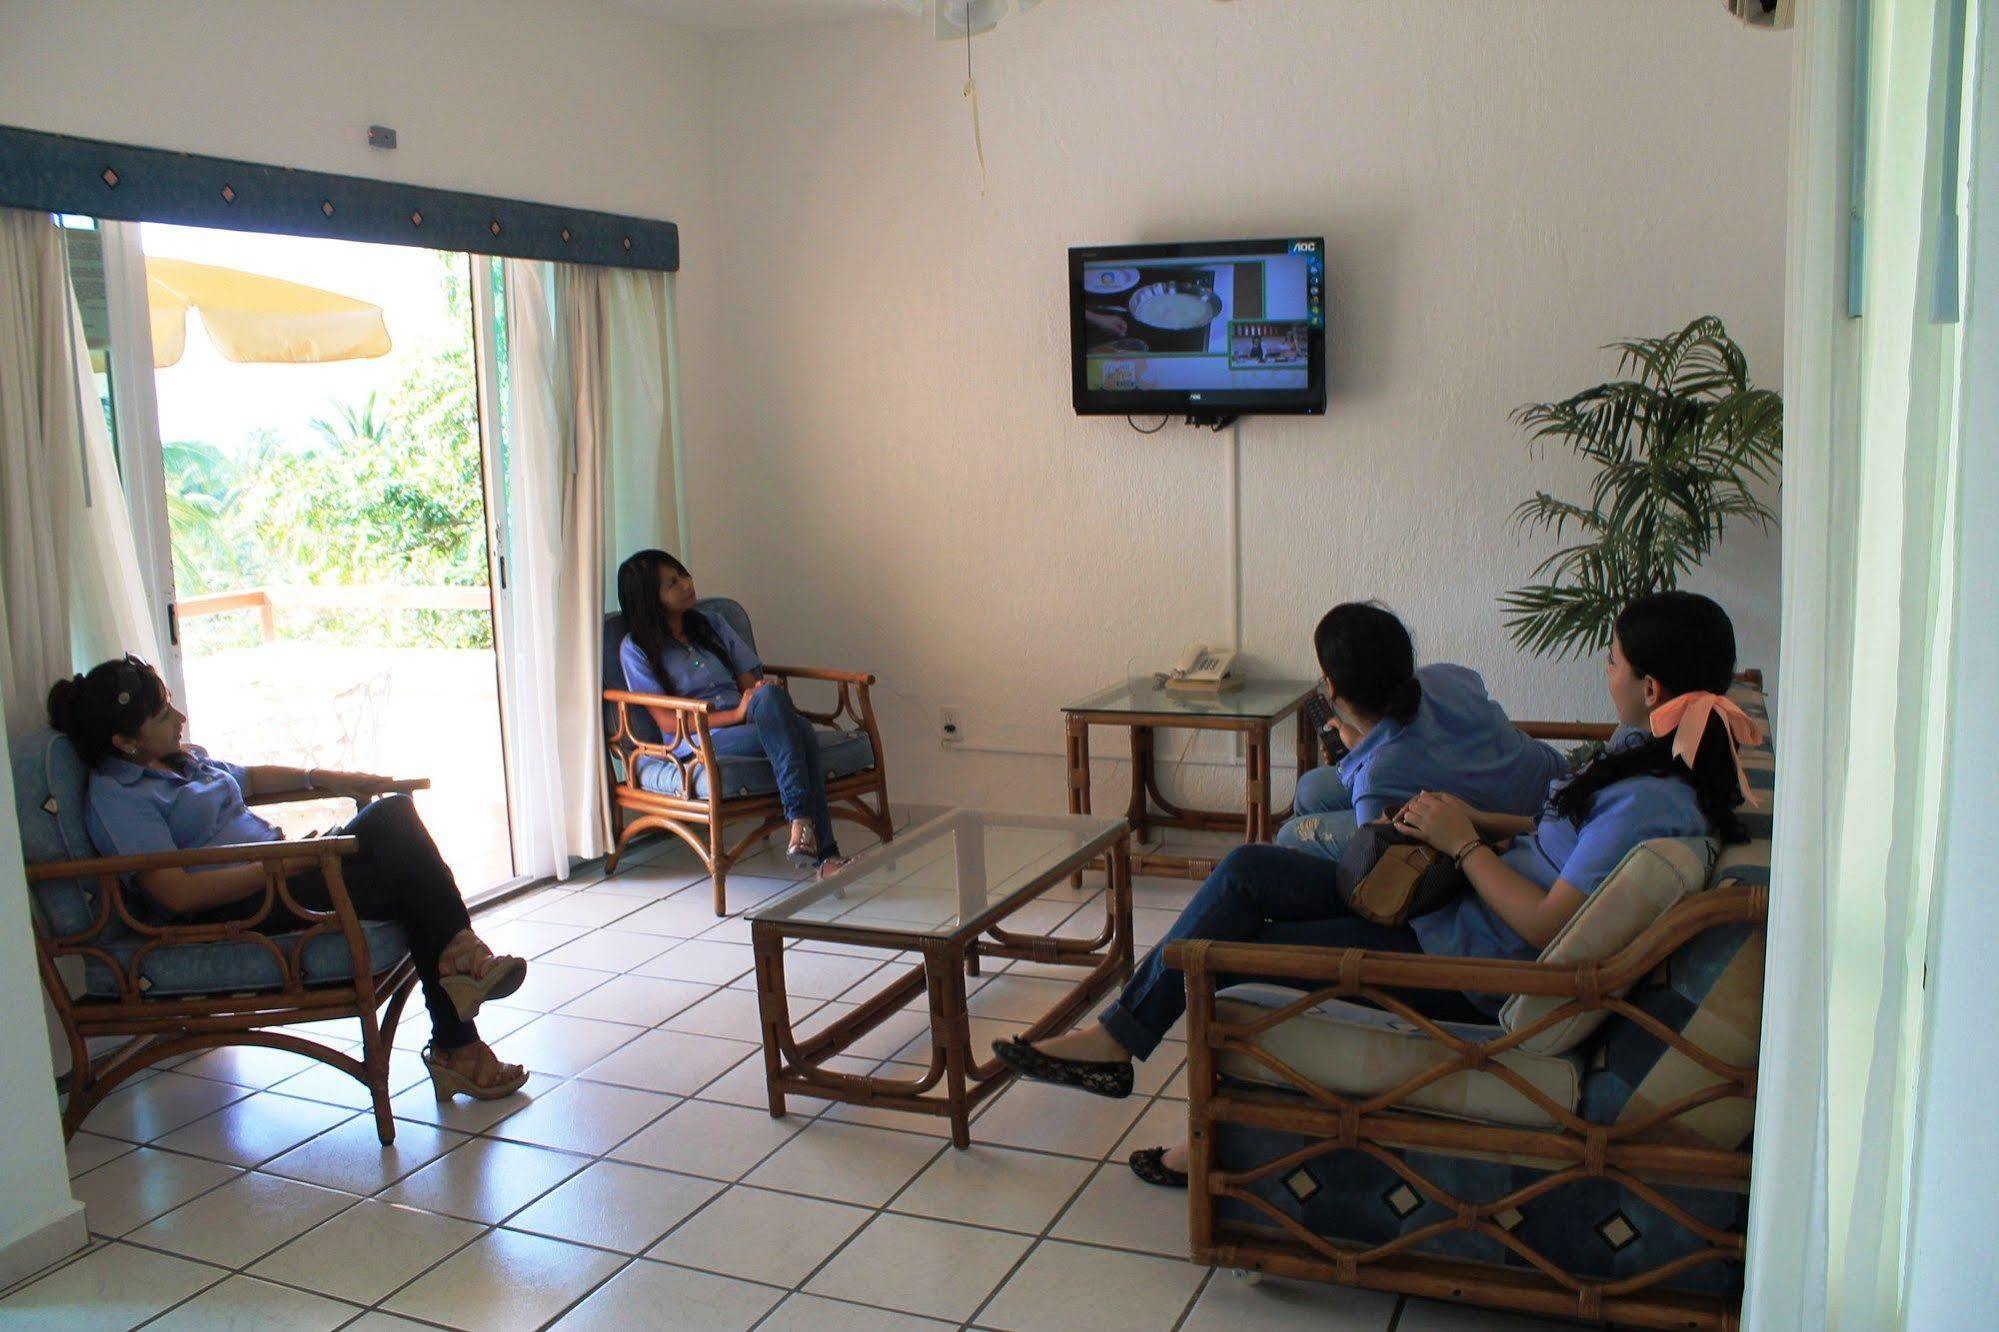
313	455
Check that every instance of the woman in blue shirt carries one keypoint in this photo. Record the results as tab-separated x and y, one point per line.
673	649
1670	773
1407	730
150	792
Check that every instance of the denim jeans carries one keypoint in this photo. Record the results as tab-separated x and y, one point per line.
1322	818
1261	894
776	732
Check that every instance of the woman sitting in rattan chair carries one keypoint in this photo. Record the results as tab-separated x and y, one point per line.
672	649
149	792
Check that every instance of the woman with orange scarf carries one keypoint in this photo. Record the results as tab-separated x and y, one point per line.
1670	771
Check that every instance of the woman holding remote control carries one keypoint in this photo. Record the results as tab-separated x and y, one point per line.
1406	729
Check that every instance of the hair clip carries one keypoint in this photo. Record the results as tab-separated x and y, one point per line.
124	697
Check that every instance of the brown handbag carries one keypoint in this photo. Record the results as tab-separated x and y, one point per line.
1387	876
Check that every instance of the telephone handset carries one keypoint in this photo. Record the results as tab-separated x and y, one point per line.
1199	662
1204	670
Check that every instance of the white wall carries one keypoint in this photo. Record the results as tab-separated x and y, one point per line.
39	1221
898	481
884	461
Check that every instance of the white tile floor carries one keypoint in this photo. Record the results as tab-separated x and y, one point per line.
640	1181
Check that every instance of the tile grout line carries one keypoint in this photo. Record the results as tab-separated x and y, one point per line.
1047	1231
1212	1275
739	1181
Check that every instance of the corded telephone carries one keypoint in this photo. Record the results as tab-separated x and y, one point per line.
1204	670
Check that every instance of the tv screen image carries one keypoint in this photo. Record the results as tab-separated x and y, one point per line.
1208	328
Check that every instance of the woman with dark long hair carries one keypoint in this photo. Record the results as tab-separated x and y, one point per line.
1406	728
673	649
1669	771
150	792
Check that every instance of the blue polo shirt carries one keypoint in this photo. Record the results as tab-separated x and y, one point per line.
135	810
1620	816
692	672
1459	741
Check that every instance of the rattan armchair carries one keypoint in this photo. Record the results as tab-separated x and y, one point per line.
337	966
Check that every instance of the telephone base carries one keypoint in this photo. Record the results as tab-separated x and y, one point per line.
1228	684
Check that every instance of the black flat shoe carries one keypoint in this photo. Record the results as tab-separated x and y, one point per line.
1111	1078
1149	1164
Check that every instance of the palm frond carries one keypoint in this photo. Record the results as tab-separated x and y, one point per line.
1677	440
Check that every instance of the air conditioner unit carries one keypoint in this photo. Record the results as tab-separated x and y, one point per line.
1771	14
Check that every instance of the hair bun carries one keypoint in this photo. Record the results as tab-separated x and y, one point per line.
1408	697
62	702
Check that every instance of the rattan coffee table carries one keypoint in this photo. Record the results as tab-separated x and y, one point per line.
942	890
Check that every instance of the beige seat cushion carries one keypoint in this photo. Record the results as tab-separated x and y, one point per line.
1644	886
1359	1051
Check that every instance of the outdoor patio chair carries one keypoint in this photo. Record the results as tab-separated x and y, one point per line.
165	990
679	793
1586	1155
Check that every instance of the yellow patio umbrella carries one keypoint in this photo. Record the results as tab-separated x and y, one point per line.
250	317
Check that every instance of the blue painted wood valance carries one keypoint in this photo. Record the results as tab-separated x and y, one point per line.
60	174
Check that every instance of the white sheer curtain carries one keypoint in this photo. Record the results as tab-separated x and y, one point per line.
1869	595
556	497
73	595
591	463
1952	1280
642	504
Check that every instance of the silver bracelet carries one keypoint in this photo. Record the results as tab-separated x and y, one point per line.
308	780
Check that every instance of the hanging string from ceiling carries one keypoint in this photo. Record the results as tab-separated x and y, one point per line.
972	92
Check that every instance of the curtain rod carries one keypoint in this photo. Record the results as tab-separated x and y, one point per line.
58	173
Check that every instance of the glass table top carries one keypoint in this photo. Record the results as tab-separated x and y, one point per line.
938	876
1267	699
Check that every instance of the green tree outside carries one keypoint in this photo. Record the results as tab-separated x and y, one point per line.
390	493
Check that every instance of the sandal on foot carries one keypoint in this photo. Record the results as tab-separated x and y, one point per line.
447	1080
1110	1078
804	848
1149	1164
467	991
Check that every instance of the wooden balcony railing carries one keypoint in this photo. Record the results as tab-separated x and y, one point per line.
268	601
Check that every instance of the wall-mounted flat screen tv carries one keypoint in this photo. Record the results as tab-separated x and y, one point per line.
1212	329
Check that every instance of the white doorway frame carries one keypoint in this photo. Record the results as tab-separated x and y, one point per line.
487	369
135	413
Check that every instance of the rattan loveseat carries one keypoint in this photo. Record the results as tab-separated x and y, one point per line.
1588	1155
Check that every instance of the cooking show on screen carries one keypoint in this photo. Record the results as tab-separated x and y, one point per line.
1221	322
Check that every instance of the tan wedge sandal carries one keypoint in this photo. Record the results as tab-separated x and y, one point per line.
466	985
804	848
447	1080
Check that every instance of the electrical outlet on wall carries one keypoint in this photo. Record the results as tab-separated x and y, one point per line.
950	731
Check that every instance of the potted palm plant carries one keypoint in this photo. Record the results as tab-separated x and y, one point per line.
1680	441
